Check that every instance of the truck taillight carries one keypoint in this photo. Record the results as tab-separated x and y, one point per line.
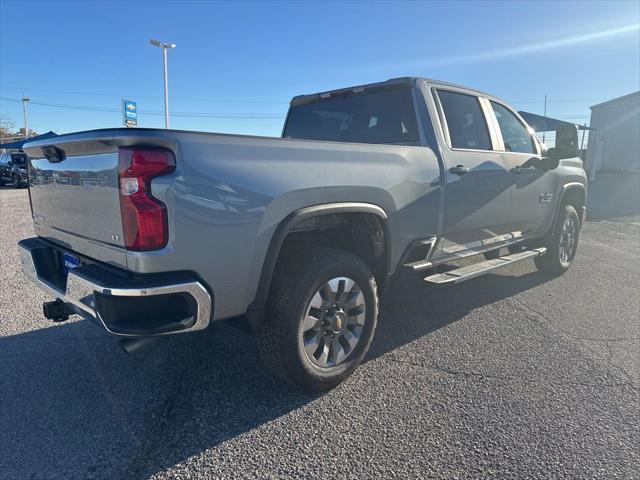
144	218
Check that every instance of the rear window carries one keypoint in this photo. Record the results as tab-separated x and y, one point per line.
376	117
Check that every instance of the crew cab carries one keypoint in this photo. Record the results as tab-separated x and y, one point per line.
150	232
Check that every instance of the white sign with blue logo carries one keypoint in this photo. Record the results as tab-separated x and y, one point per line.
130	110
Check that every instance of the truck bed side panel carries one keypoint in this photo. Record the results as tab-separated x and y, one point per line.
232	192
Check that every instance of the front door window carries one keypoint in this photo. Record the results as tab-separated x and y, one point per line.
515	135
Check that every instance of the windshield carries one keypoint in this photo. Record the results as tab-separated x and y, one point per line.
19	160
377	117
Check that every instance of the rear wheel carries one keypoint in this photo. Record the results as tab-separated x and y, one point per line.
321	318
563	243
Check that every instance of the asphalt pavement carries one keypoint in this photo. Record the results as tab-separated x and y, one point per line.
514	374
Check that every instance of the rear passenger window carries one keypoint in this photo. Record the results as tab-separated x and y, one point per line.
515	135
465	121
385	116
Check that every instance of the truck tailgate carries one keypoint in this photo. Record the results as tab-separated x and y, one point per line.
74	194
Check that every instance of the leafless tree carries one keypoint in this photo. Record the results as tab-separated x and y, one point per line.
6	127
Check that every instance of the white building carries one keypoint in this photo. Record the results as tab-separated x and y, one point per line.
614	145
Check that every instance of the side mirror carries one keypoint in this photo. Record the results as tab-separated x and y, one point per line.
549	162
566	142
545	163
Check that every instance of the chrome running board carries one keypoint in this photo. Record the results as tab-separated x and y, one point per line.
475	270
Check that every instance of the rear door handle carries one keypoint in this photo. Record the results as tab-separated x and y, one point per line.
459	170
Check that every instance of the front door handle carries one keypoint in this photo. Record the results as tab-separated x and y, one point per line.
459	170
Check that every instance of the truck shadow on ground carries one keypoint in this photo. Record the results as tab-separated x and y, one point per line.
74	406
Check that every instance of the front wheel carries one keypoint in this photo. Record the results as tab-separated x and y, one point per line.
563	244
321	317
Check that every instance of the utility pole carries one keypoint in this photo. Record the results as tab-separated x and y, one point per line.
544	114
164	46
25	100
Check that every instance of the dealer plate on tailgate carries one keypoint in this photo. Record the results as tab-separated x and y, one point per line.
69	262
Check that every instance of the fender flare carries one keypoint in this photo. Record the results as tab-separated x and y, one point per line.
568	187
255	311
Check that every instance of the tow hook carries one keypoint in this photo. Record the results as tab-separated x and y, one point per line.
56	311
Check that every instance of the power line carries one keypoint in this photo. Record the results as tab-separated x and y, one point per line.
97	94
571	116
220	115
92	108
560	100
227	100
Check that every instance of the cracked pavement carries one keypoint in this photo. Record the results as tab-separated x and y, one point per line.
513	374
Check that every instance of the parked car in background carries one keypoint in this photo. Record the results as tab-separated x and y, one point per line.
13	169
151	232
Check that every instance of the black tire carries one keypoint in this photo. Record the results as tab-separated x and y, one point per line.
555	261
16	181
296	280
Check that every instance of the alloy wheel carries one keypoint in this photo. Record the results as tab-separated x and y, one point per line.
333	322
568	239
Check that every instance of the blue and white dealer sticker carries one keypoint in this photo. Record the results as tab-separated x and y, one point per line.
69	262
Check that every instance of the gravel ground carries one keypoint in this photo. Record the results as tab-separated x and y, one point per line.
513	374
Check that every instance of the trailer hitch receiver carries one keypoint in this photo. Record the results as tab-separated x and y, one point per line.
56	311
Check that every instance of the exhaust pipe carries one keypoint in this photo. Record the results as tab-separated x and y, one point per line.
134	345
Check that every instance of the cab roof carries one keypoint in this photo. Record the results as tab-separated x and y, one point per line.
409	82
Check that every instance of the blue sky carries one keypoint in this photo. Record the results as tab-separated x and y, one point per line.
237	64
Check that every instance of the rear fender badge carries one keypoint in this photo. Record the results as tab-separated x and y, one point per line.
545	197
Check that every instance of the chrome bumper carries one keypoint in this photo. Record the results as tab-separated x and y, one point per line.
81	289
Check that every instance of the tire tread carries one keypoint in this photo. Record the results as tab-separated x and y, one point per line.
550	262
291	271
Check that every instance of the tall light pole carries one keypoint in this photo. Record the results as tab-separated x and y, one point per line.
164	47
545	114
25	100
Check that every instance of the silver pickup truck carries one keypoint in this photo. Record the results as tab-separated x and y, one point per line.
152	232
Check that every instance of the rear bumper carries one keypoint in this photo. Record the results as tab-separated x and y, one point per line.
120	303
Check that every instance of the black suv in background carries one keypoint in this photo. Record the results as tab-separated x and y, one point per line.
13	169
